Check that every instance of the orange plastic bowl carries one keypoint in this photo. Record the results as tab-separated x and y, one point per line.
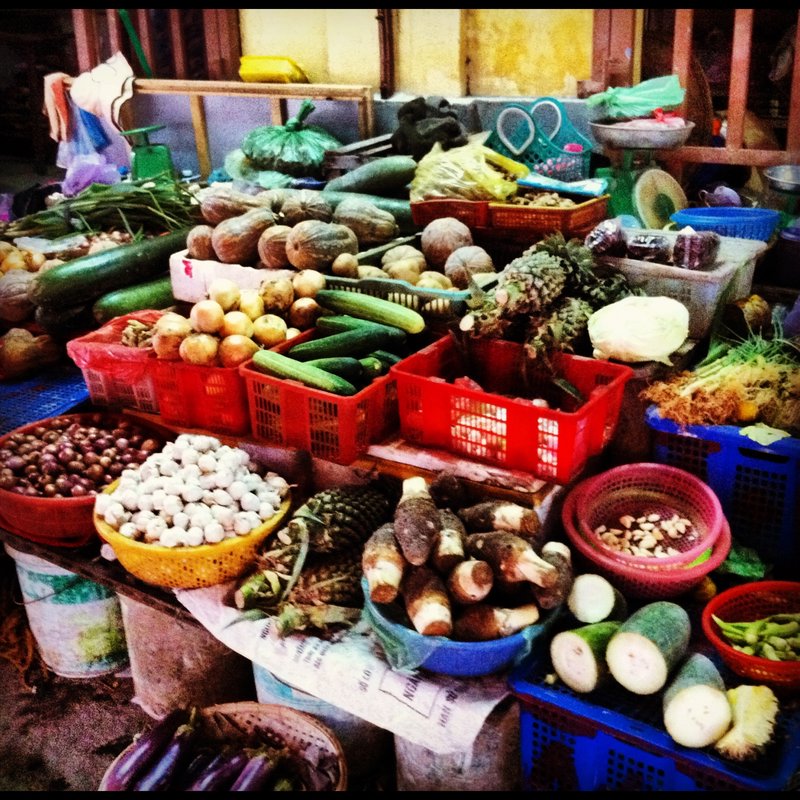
745	603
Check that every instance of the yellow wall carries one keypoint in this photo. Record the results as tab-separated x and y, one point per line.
448	52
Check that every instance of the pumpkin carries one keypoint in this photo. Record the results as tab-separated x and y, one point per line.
224	203
440	237
305	204
272	247
464	262
402	251
371	225
198	243
313	244
235	240
15	306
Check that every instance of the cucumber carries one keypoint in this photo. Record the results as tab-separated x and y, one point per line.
280	366
695	706
382	176
372	367
338	323
84	279
348	343
375	309
345	366
648	645
579	655
155	294
388	359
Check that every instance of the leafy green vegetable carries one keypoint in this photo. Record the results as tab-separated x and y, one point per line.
137	207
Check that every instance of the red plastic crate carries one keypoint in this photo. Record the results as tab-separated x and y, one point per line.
115	374
495	425
329	426
473	213
211	398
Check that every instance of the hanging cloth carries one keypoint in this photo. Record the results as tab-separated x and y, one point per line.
103	91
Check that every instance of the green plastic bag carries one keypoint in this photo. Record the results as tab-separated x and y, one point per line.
640	100
295	148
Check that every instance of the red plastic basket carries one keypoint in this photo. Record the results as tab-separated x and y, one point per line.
473	213
115	374
492	423
332	427
56	521
211	398
634	581
745	603
645	488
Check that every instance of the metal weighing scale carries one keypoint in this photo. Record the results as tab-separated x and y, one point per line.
148	160
638	187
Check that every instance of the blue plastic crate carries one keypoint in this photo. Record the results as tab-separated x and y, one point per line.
46	394
614	740
741	223
757	485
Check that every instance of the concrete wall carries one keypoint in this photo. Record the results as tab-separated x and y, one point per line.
478	59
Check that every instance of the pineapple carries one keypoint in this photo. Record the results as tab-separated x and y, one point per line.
561	329
341	518
527	285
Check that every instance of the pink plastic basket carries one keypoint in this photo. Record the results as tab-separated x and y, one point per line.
642	489
633	581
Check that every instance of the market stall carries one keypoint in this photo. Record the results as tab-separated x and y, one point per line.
297	399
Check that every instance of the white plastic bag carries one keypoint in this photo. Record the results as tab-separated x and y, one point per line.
639	329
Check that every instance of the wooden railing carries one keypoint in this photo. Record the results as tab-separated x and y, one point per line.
275	93
613	65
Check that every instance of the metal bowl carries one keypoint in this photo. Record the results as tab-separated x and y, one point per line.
785	178
631	138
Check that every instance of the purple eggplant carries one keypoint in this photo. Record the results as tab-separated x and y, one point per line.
221	772
259	769
201	759
172	760
144	751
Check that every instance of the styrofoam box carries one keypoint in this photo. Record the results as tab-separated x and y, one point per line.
703	291
191	277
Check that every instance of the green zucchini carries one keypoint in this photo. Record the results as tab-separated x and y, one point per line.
648	645
354	343
64	320
345	366
86	278
278	365
382	176
156	294
375	309
338	323
695	706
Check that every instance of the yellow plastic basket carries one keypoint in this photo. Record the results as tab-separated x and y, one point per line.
188	567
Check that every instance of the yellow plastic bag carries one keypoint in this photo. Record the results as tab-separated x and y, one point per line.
470	172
